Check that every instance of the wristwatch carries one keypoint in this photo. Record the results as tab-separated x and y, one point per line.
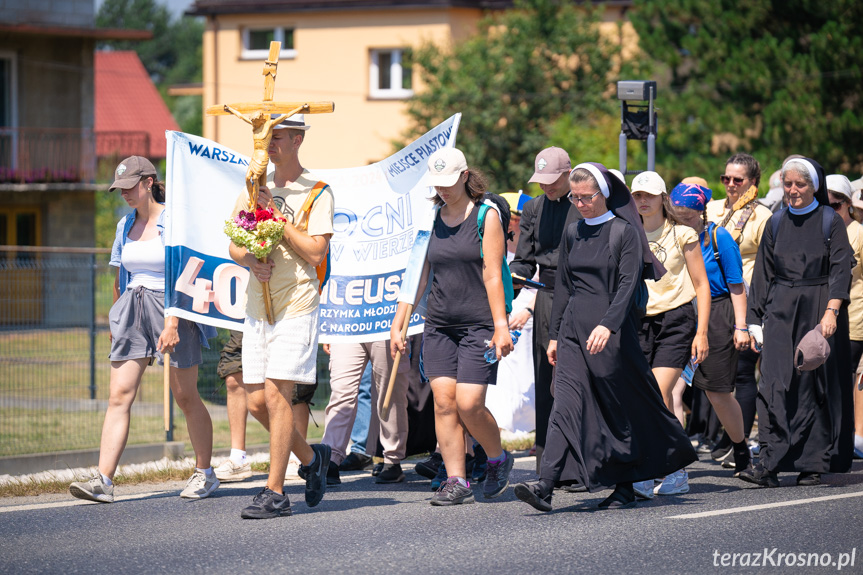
530	310
834	310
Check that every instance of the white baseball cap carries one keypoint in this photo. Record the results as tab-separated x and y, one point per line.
649	182
444	167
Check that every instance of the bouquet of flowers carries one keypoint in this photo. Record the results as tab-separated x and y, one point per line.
258	231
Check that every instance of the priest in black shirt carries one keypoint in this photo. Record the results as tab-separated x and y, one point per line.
543	222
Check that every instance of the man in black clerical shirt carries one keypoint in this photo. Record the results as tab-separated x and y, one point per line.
542	224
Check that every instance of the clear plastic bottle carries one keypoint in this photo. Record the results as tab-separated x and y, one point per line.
491	353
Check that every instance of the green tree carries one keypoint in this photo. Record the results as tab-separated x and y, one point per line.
523	69
172	56
767	77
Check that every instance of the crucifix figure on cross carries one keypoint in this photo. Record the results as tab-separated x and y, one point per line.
261	116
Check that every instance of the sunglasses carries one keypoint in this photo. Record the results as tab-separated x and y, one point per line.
836	205
728	179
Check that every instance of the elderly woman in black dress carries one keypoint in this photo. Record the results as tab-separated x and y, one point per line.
609	425
802	279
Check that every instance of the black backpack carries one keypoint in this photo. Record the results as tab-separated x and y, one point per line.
615	244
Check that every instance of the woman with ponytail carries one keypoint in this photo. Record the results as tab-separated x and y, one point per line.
140	333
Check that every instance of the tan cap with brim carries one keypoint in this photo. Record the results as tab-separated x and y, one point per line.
549	165
130	171
444	168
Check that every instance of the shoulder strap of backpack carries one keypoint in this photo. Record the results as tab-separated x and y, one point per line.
480	221
615	240
826	224
774	222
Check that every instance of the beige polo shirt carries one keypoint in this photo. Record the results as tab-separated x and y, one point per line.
675	288
294	283
751	237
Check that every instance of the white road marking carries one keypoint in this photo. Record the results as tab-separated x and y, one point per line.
765	506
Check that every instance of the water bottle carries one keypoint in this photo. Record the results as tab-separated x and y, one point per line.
689	372
491	353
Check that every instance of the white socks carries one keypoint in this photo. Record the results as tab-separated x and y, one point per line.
208	471
105	479
238	456
858	442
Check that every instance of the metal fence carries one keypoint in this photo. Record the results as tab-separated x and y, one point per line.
54	368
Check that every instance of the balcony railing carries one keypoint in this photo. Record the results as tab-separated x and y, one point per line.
119	145
47	155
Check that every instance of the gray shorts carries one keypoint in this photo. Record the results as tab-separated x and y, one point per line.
137	320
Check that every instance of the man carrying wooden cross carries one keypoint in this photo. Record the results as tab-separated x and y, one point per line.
278	357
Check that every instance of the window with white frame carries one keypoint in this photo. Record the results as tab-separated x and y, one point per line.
391	73
256	42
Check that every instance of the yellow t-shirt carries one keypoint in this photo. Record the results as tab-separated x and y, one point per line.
751	237
294	283
674	288
855	308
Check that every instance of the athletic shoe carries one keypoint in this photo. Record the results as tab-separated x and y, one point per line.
754	448
356	462
229	471
439	478
531	495
721	452
316	474
759	476
333	476
452	492
858	454
644	489
808	479
93	490
618	500
480	464
497	477
391	473
674	484
428	468
266	505
199	486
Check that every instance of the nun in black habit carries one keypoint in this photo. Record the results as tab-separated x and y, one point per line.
609	425
802	278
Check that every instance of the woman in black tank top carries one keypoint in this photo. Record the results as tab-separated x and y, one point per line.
466	315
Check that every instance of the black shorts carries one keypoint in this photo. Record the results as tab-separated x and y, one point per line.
231	361
231	356
666	338
458	352
718	372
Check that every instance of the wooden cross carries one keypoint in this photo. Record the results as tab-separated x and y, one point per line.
258	115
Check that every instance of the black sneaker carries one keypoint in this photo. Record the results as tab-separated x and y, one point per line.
317	474
531	494
809	479
497	479
376	470
356	462
334	478
452	492
439	478
266	505
480	464
428	467
759	476
391	473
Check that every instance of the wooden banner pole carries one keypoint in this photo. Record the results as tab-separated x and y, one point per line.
385	410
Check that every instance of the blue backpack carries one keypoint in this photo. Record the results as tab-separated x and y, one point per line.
505	274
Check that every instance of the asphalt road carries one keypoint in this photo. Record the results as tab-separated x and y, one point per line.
363	527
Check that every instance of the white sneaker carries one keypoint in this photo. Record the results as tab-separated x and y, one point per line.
643	489
93	490
200	486
229	471
674	484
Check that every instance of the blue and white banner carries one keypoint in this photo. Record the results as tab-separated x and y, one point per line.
379	210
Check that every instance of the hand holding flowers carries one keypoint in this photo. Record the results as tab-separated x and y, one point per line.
258	231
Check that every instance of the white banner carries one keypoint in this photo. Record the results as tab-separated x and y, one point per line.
379	209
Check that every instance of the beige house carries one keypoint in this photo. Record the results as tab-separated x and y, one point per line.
353	52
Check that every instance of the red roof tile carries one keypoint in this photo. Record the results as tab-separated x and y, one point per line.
127	102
